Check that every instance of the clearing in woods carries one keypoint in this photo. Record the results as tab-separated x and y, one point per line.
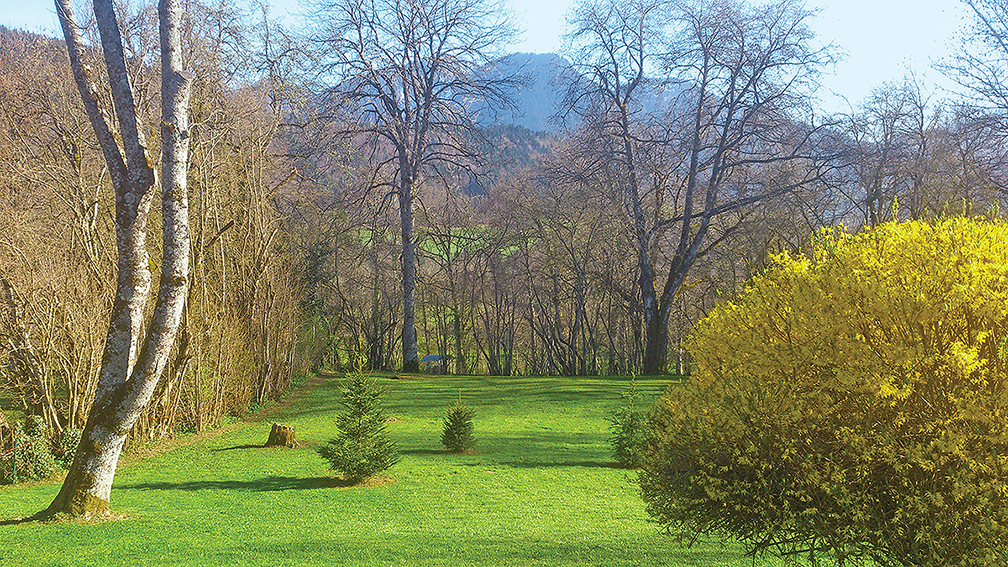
541	489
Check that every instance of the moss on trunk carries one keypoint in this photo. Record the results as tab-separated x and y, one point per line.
75	500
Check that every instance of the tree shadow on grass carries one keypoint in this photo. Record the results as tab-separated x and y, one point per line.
303	443
16	521
47	517
425	452
238	447
533	464
267	484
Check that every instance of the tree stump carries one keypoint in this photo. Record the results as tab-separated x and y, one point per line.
6	434
282	436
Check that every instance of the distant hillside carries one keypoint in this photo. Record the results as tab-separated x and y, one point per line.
507	147
538	99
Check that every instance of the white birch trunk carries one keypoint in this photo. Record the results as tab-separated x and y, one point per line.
131	368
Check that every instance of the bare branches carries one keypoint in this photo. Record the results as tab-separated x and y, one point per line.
410	72
404	74
982	62
702	105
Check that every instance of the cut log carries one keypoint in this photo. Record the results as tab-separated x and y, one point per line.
282	436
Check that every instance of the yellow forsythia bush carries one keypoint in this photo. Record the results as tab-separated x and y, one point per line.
851	405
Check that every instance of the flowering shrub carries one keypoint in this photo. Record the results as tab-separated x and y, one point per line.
851	405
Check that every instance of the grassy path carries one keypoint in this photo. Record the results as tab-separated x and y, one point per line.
540	490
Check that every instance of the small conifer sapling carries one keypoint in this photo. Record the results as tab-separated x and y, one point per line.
362	447
457	428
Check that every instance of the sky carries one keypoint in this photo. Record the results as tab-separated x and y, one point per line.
881	40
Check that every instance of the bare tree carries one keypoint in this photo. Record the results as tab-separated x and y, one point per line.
981	66
406	74
731	137
879	149
930	159
131	366
54	248
982	61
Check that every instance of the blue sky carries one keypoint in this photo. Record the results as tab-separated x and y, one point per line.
883	40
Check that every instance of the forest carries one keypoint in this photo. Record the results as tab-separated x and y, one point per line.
356	198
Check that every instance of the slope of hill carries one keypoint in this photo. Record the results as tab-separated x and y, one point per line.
538	98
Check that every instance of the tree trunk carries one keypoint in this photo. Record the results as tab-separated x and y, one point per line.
409	343
655	339
128	375
460	361
654	344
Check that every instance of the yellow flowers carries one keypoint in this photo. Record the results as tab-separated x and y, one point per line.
869	305
864	388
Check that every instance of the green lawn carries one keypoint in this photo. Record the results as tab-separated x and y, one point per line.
540	490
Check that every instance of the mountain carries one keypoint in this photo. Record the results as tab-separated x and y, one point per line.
545	77
538	99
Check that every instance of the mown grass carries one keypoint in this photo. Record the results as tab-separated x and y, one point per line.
540	489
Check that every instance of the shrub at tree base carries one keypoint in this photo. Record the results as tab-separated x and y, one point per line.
31	457
850	406
362	447
457	429
35	426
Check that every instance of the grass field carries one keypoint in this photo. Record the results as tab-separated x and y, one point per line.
540	490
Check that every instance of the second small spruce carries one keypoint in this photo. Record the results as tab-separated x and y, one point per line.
457	428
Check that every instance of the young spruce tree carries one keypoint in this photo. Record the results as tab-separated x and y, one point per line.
627	428
362	447
457	428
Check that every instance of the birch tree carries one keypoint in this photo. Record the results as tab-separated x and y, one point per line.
131	363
